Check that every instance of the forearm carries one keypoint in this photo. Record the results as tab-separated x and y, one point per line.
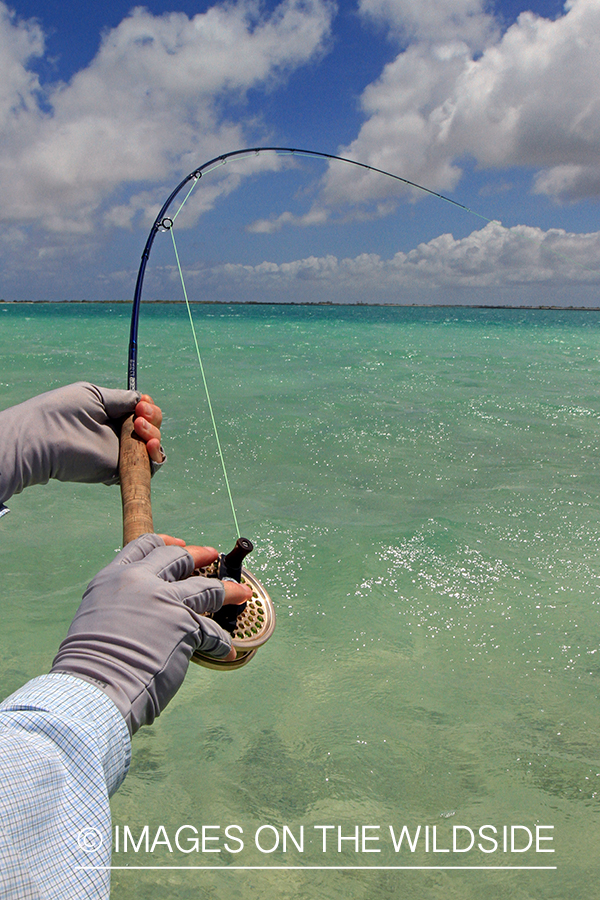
63	434
64	749
72	434
25	452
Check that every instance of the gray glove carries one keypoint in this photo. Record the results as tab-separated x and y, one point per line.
70	434
139	623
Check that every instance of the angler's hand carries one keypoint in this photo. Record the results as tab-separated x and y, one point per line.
147	425
140	621
71	434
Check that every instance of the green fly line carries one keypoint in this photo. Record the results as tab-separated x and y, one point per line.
165	223
199	355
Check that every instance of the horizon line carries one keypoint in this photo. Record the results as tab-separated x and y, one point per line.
537	306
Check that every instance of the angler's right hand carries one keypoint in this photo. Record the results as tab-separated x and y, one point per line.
139	622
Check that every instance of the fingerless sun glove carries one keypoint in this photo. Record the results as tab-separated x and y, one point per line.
70	434
137	626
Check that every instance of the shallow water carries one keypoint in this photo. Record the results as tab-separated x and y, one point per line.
421	486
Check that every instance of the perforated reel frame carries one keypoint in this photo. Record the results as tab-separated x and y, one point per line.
254	626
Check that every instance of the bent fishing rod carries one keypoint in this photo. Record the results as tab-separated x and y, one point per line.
165	223
255	625
135	468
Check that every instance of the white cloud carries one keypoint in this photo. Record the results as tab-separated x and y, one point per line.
496	256
156	101
569	182
271	226
434	20
20	42
493	257
148	106
531	99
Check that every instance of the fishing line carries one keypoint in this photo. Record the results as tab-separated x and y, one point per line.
210	407
161	221
164	222
253	623
185	199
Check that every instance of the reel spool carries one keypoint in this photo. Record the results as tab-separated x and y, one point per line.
252	628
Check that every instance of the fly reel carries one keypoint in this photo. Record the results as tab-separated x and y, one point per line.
250	624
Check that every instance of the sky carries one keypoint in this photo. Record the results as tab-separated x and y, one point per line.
106	107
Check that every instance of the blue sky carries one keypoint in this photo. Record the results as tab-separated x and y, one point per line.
105	107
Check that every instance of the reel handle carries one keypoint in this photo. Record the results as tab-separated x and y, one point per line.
134	474
230	565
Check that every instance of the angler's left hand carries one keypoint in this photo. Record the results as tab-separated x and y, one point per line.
71	434
147	425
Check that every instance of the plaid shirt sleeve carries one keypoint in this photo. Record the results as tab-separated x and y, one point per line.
64	750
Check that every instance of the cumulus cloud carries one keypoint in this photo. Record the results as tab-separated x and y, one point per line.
20	42
569	182
493	257
271	226
531	99
157	100
435	20
149	105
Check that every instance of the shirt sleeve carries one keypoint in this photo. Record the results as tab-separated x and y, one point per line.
64	750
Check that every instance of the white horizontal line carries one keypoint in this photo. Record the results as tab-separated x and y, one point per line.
320	868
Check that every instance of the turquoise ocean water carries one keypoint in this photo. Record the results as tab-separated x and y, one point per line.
422	488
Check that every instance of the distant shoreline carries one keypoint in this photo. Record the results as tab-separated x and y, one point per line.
293	303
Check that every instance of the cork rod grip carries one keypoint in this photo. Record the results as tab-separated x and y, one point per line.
134	473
